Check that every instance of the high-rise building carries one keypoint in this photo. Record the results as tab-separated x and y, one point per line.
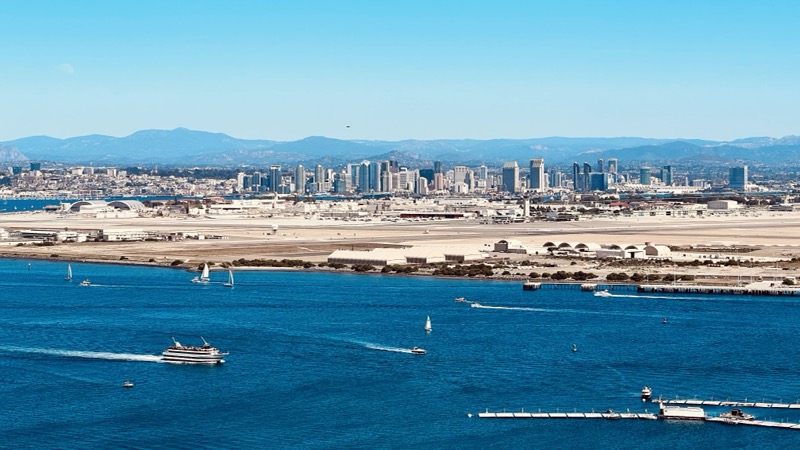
737	178
364	181
460	174
510	177
644	175
374	176
536	180
666	175
274	178
36	166
612	165
300	179
576	172
437	167
483	172
598	181
601	167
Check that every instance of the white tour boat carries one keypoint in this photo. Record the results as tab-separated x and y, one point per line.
127	384
474	305
646	393
680	412
187	354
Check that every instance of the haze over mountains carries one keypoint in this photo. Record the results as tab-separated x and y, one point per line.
200	148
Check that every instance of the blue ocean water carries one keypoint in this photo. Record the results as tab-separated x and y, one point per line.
320	360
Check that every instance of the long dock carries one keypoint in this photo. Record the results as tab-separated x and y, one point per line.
565	415
727	403
755	423
705	289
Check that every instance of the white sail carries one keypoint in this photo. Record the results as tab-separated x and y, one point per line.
204	275
428	324
230	279
69	273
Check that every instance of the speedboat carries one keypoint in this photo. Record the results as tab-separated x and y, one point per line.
646	393
418	351
127	384
612	415
475	305
86	283
188	354
460	299
603	293
737	414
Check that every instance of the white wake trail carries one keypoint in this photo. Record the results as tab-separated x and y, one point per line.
86	354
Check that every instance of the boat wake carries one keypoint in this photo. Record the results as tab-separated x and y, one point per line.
86	354
387	349
508	308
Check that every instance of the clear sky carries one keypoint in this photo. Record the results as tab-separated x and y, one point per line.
403	69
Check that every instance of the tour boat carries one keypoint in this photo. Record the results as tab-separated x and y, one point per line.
680	413
229	283
187	354
428	327
203	278
69	273
418	351
646	393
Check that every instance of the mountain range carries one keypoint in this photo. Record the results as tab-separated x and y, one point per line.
200	148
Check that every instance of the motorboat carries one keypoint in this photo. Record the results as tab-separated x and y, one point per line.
603	293
737	414
612	415
127	384
460	299
664	320
475	305
574	347
86	282
646	393
418	351
187	354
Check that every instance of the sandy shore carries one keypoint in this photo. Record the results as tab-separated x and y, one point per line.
770	234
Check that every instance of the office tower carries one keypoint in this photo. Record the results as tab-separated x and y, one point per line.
612	165
598	181
421	186
363	177
460	174
300	179
587	175
240	180
36	166
374	176
510	177
257	179
385	174
536	180
644	175
437	167
600	165
737	178
483	172
576	171
666	175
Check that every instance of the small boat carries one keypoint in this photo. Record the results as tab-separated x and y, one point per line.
418	351
127	384
664	320
460	300
229	283
646	393
86	282
69	273
737	414
203	278
603	293
612	415
428	327
475	305
574	347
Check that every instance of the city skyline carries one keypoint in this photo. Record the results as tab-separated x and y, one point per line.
418	70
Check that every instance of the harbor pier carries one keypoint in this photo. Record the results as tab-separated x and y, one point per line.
611	415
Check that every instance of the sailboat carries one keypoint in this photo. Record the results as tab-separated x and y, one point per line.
203	278
229	283
69	273
428	327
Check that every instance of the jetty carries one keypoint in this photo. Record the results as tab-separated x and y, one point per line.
727	403
611	415
755	423
725	290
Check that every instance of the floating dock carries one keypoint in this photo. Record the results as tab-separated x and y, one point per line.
531	286
755	423
565	415
726	403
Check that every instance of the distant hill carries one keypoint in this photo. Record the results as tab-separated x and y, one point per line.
189	147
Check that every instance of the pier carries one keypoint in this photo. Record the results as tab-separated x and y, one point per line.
727	403
565	415
755	423
726	290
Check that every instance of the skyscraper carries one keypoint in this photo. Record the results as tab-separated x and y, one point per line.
600	165
274	178
612	165
644	175
737	178
666	175
537	174
576	171
510	177
300	179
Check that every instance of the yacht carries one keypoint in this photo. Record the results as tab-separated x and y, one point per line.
603	293
737	414
428	326
127	384
86	282
418	351
187	354
475	305
646	393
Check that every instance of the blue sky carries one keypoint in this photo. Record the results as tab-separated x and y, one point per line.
406	69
